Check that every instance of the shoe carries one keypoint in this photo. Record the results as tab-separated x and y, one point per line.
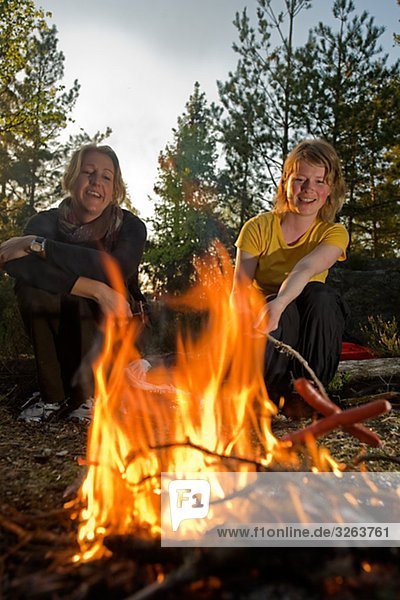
36	411
83	413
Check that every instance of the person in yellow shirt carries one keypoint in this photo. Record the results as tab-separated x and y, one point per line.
286	254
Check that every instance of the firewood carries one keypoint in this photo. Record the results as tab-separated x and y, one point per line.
392	397
142	550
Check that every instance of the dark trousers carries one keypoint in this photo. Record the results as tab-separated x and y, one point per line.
63	329
313	324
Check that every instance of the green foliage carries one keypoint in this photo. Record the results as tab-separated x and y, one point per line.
188	210
18	18
36	117
354	106
34	109
338	383
13	339
383	337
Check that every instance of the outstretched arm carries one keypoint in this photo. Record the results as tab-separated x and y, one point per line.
320	259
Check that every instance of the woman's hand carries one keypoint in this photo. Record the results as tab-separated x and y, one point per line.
272	311
110	301
15	247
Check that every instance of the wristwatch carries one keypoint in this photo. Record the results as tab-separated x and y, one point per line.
37	246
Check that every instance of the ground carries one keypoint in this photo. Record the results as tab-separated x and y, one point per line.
40	462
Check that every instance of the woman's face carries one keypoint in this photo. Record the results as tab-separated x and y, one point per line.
307	189
93	190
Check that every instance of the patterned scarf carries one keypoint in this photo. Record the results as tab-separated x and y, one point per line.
104	228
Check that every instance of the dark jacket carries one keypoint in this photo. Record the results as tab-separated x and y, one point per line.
65	262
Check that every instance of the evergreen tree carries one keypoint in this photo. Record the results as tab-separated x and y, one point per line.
260	104
34	108
18	18
396	36
50	108
186	214
353	103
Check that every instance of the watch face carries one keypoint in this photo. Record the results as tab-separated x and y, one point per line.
36	246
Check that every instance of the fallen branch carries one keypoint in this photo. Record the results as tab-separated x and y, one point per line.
188	444
14	528
191	570
142	550
392	397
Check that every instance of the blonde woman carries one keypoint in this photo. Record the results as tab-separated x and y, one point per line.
62	284
287	253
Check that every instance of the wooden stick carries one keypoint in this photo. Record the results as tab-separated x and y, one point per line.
285	348
326	407
14	528
188	444
341	419
189	571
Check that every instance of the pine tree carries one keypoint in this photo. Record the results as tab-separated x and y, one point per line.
259	104
353	100
49	109
34	108
186	213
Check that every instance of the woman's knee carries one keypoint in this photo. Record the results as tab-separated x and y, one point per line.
36	302
318	297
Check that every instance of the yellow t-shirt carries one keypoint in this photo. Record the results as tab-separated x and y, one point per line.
262	237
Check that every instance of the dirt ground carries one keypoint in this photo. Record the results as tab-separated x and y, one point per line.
38	462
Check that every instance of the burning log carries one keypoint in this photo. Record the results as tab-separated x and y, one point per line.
326	407
343	419
142	550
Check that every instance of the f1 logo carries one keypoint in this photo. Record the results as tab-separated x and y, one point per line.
188	499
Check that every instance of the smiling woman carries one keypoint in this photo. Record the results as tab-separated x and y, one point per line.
62	283
286	255
94	186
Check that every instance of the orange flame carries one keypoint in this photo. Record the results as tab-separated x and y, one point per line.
209	412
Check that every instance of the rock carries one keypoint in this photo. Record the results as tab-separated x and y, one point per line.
371	289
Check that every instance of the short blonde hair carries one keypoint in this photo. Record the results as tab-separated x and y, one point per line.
74	167
316	152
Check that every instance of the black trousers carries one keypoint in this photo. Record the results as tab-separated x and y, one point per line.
313	324
63	330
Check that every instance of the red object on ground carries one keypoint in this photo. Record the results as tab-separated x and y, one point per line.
352	351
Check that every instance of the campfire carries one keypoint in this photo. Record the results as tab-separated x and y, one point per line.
209	412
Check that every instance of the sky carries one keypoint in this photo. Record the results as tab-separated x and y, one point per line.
137	62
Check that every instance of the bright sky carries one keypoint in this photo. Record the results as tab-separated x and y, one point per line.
137	61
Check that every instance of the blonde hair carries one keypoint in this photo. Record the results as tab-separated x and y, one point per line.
321	153
74	167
